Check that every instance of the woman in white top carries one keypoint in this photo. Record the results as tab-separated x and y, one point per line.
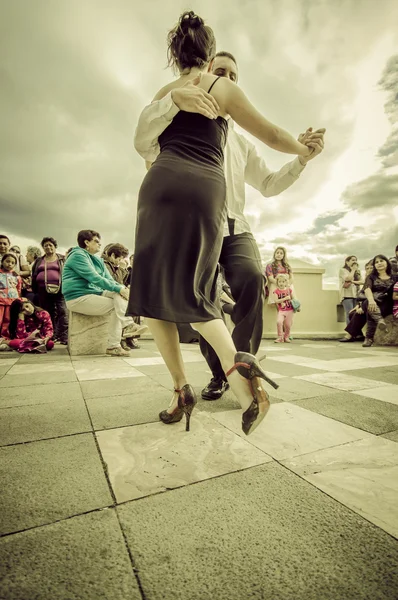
348	289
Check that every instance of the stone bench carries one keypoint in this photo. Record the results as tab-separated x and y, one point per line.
87	334
390	336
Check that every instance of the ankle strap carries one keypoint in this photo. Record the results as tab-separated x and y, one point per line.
236	365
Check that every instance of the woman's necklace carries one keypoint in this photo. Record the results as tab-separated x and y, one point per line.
51	258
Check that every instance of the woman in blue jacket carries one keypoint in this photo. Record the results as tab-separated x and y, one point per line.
89	289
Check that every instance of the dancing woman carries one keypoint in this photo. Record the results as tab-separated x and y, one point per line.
180	218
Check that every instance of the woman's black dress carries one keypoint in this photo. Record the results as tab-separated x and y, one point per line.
180	218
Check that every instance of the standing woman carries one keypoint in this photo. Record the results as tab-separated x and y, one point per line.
348	289
180	217
46	283
278	266
378	291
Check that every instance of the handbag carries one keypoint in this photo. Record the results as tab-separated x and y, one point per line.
296	304
51	288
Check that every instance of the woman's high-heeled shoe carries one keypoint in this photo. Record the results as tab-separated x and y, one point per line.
185	405
248	366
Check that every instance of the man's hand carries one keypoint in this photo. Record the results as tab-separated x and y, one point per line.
313	140
124	293
193	99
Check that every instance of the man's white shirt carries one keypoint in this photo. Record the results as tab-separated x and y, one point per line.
242	164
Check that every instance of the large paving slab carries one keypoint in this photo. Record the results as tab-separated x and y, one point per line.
392	435
294	389
152	458
386	374
45	481
353	409
42	421
40	394
341	381
142	405
37	378
83	558
289	430
388	394
362	475
104	369
262	534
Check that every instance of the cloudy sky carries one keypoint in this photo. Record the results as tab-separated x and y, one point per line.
75	75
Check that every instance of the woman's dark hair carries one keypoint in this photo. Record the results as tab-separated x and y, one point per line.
6	255
48	239
347	258
190	43
86	234
15	309
284	262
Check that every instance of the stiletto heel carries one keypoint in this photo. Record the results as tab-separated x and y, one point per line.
248	367
186	402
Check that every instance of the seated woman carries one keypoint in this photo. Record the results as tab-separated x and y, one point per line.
378	291
10	289
357	315
31	328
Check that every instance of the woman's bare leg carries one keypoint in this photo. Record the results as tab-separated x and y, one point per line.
166	339
217	335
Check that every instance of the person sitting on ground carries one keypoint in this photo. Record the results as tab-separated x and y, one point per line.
394	262
358	314
278	266
31	328
395	300
89	289
47	284
378	291
113	256
10	289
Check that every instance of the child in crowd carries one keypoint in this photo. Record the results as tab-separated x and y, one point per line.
283	294
10	289
31	328
395	300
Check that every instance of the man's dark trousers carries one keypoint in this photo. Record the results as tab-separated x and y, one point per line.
241	261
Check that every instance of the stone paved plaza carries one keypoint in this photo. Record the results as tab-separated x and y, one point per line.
100	500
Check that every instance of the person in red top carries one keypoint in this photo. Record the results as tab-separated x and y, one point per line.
31	328
283	294
10	289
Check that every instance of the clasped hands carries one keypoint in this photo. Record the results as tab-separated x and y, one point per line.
314	140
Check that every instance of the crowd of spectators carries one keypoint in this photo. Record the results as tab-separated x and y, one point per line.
368	300
38	290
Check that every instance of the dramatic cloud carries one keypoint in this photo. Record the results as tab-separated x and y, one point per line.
74	77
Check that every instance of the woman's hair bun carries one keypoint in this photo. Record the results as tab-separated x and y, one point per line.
189	20
191	43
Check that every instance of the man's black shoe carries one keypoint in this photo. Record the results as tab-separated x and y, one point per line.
215	389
